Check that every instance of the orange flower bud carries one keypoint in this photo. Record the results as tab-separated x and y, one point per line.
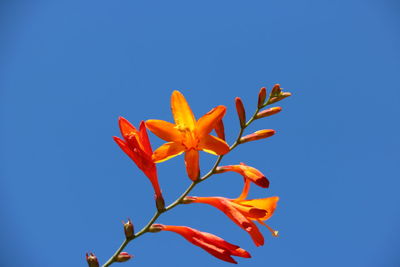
123	256
128	229
261	97
268	112
240	111
257	135
92	260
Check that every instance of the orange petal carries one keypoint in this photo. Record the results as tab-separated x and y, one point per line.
167	151
192	164
255	234
181	111
269	204
213	145
163	129
206	123
220	129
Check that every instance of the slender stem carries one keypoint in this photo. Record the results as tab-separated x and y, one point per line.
178	201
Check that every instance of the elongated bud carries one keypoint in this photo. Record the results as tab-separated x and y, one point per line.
268	112
92	260
123	256
240	111
160	204
276	90
257	135
261	97
155	228
129	229
220	129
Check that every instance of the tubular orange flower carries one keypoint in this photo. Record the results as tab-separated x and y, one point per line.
247	172
188	135
213	244
137	146
243	212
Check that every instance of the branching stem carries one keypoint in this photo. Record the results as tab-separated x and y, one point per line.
178	201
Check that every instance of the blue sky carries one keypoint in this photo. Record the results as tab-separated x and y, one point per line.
68	69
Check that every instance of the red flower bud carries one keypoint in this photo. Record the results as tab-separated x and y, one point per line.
123	256
261	97
240	111
92	260
257	135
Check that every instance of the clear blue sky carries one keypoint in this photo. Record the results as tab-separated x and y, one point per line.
68	69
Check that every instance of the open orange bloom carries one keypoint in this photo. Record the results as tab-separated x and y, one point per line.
188	135
213	244
137	146
243	212
247	172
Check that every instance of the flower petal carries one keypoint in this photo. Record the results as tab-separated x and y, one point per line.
167	151
192	164
165	130
134	156
269	204
182	112
208	122
213	145
126	127
144	138
220	129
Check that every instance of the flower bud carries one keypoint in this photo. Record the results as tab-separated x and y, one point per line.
276	90
123	256
268	112
257	135
129	229
92	260
240	111
155	228
261	97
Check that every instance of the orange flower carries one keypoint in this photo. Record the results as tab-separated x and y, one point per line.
247	172
243	212
188	135
137	146
213	244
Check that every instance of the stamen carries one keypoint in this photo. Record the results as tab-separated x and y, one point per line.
273	232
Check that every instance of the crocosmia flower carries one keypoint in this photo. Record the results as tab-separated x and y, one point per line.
188	135
137	146
213	244
243	212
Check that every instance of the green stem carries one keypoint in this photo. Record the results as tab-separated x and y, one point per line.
178	201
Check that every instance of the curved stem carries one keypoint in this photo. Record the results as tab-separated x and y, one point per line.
178	201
